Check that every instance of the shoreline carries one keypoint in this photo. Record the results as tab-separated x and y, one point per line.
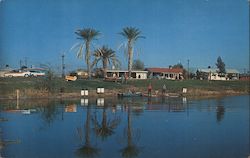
41	88
192	93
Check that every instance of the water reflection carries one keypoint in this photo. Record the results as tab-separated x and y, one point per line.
131	149
71	108
220	111
101	123
85	102
86	149
49	113
4	143
106	127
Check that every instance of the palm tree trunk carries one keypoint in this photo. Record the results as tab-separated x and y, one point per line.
130	58
104	118
105	65
87	127
129	134
87	58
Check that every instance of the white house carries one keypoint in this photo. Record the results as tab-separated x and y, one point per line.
136	74
213	74
166	73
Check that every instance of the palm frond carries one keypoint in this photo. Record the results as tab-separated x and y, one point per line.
88	34
75	47
105	53
79	53
95	62
131	33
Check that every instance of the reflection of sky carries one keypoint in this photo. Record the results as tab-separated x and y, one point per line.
195	133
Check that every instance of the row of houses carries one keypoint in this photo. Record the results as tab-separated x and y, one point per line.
213	74
166	73
176	74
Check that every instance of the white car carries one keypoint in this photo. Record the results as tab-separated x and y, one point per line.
17	73
36	73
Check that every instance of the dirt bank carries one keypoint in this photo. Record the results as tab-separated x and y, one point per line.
191	93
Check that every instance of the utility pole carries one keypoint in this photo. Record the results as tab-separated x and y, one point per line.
26	60
63	66
188	68
20	62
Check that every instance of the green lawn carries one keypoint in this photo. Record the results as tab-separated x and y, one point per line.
9	85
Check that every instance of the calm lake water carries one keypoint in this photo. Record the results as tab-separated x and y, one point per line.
132	127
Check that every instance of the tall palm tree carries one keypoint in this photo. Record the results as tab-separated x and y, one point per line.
131	34
86	34
107	56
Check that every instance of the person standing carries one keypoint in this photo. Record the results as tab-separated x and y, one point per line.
150	90
164	88
122	78
126	77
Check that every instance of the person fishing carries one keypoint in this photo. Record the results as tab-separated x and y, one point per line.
164	88
150	90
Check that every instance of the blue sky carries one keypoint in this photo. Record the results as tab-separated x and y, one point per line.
175	31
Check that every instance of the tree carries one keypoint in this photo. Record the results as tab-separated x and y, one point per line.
179	65
220	65
138	65
107	56
131	34
87	35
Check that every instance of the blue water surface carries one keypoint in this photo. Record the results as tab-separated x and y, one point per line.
129	127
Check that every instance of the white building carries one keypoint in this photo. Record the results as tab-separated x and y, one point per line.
213	74
166	73
136	74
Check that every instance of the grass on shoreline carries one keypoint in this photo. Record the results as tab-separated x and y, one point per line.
57	85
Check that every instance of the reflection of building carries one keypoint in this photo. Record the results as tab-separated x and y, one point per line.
23	111
135	74
71	108
170	108
166	73
100	101
84	102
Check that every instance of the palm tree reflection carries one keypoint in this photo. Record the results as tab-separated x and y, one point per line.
131	149
105	128
86	150
220	111
49	113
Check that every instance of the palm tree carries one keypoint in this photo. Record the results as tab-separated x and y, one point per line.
107	56
86	34
131	34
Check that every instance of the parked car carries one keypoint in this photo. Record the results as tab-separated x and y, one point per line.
71	77
36	73
17	73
